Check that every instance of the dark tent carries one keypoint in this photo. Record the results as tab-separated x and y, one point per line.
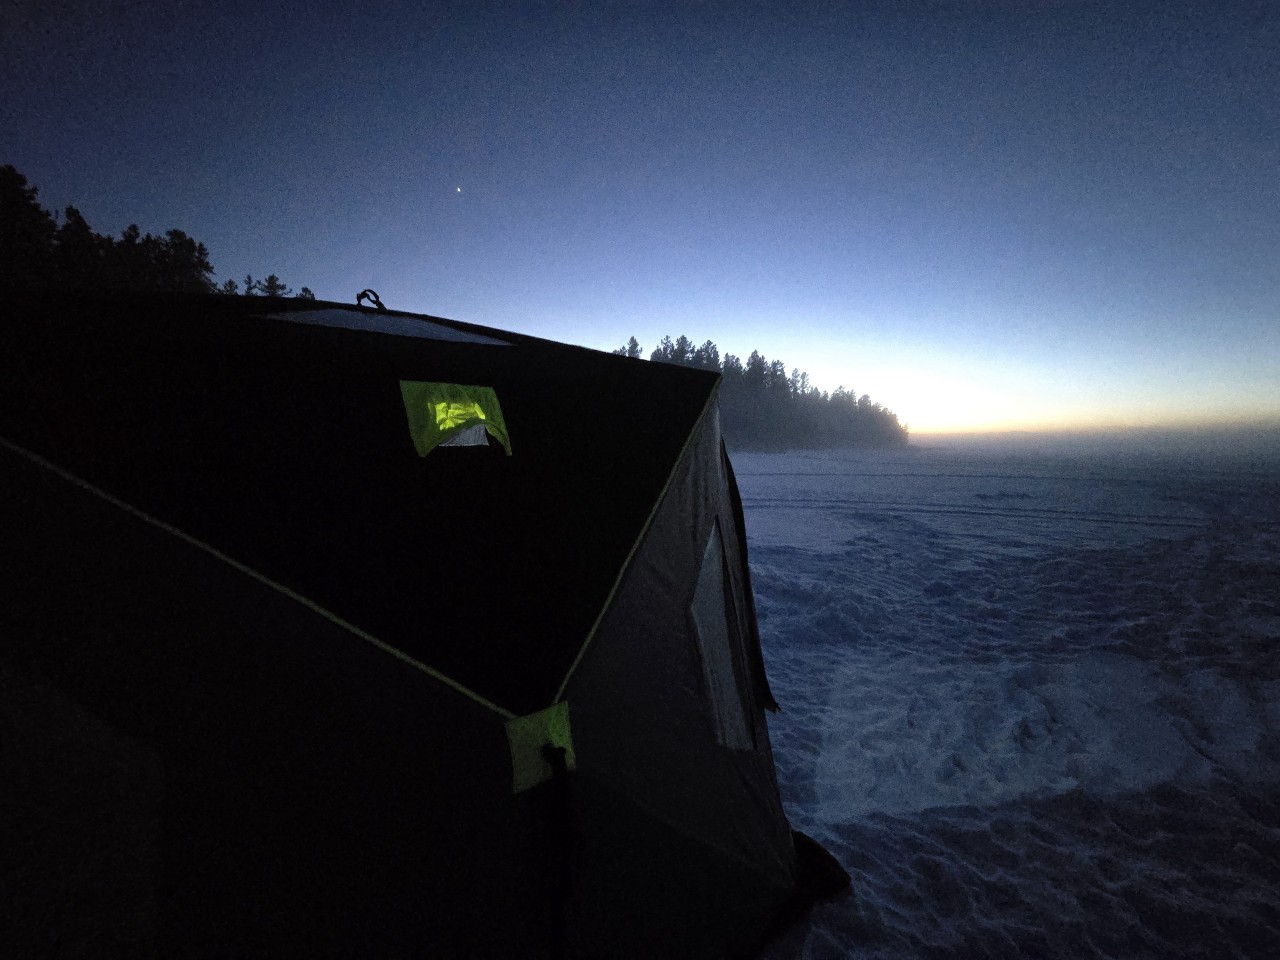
329	630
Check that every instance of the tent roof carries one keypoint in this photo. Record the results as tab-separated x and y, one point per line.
275	432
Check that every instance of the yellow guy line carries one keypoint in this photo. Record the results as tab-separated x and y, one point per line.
250	572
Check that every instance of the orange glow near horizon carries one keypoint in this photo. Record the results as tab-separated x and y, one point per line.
944	400
1116	424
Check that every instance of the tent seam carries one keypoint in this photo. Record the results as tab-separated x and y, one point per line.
243	568
635	544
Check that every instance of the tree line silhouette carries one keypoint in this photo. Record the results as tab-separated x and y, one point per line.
762	407
39	253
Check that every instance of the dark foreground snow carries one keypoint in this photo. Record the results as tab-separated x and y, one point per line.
1030	698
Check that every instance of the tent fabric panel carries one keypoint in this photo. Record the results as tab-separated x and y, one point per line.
285	446
641	712
302	791
62	769
355	631
645	889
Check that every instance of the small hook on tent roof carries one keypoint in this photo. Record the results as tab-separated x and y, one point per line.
371	296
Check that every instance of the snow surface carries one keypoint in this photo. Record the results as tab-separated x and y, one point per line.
1030	697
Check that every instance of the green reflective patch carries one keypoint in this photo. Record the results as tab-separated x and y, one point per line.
450	415
437	411
529	736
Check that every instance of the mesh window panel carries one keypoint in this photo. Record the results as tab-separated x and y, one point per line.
712	628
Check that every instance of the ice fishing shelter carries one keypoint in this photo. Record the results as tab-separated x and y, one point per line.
336	630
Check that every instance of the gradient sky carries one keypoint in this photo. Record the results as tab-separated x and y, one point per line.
987	215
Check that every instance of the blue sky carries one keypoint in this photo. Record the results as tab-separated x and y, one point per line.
987	215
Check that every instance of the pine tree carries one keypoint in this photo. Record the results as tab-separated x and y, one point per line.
707	357
26	233
630	349
273	286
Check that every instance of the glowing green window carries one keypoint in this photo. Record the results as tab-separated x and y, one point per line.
452	414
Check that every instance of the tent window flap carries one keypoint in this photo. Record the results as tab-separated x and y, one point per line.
452	414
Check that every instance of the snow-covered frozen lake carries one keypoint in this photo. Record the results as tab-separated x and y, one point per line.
1031	696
